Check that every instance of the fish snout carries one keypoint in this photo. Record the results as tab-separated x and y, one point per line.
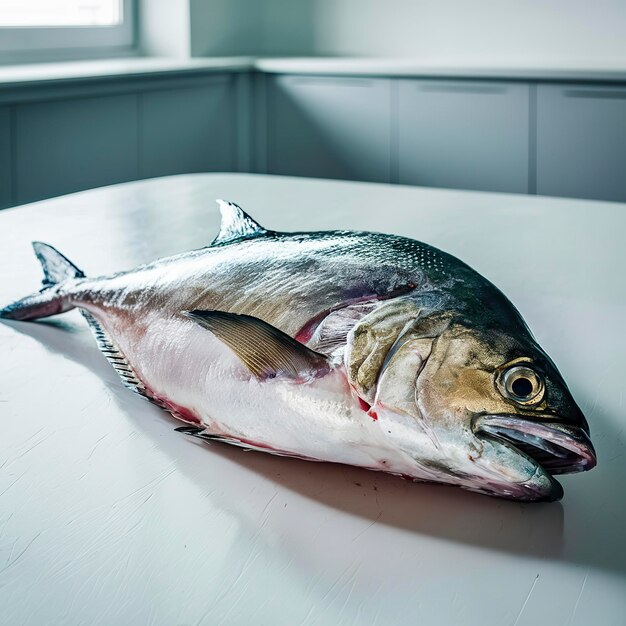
577	419
559	447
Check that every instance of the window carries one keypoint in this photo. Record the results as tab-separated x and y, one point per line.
28	26
36	13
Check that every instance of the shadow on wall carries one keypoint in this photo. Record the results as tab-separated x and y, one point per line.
289	28
244	27
586	529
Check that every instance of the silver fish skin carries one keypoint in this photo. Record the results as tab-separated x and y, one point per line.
352	347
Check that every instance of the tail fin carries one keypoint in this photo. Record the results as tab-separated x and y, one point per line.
51	299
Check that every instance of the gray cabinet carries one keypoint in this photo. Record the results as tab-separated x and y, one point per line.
69	145
581	141
491	135
463	134
329	127
188	129
74	138
5	157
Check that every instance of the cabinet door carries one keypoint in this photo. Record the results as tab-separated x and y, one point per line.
581	141
329	127
463	135
189	129
5	157
69	145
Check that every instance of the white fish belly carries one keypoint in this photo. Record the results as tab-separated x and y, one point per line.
187	367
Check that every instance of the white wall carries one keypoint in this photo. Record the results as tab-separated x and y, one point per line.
164	28
291	27
450	31
225	27
186	28
548	32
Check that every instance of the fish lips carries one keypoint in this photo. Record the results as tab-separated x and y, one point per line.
557	447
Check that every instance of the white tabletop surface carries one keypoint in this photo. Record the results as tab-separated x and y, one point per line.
108	516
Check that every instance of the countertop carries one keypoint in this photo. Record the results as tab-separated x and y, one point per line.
109	516
47	73
419	69
73	71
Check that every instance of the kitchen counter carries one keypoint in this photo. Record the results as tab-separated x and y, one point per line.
68	72
417	69
107	515
74	71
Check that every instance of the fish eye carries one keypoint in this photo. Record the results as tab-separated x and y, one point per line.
521	384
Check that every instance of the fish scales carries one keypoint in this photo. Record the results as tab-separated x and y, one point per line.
314	271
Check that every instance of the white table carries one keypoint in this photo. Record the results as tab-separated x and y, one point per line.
108	516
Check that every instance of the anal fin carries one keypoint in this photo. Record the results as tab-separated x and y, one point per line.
201	433
114	356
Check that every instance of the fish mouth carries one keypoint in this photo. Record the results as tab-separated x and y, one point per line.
558	448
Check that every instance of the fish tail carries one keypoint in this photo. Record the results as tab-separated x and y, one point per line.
53	297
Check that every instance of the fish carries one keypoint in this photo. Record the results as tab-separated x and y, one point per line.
367	349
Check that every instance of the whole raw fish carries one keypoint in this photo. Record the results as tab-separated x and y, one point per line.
360	348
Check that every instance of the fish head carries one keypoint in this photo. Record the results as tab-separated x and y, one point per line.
484	409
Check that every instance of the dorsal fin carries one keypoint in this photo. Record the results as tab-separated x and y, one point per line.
236	224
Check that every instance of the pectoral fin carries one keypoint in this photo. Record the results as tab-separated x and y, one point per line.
266	351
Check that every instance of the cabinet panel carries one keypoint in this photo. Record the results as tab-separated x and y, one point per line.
329	127
69	145
464	135
581	141
188	130
5	157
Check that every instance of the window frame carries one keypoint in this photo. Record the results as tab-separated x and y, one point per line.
70	42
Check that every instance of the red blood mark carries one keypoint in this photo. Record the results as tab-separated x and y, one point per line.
364	405
181	412
178	411
262	446
306	332
256	444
